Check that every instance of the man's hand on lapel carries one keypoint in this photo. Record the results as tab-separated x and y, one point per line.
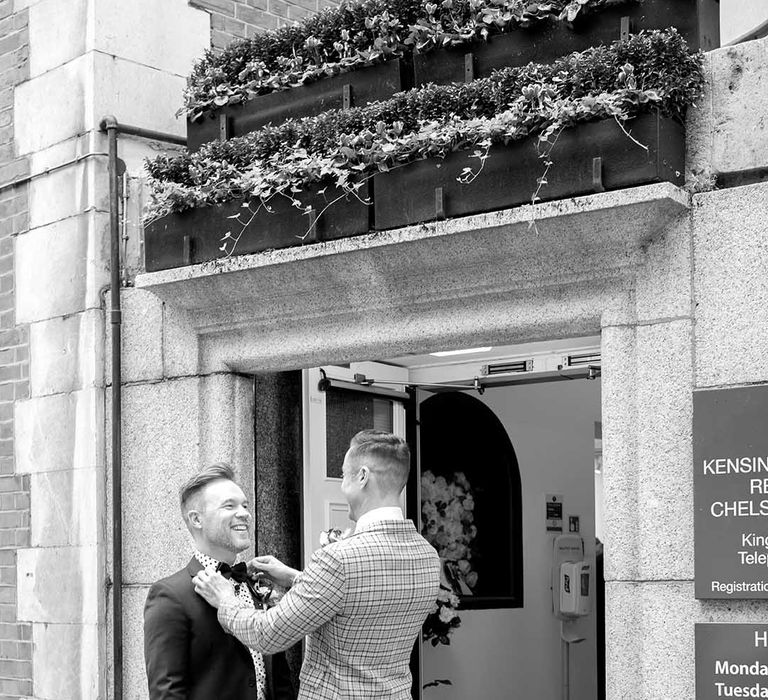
274	569
214	588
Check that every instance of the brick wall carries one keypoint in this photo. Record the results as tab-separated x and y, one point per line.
15	638
237	19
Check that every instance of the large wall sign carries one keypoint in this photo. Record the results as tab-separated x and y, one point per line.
731	661
730	486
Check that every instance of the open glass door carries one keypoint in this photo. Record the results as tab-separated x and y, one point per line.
338	403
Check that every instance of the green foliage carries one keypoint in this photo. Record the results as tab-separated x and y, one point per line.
356	34
701	180
343	147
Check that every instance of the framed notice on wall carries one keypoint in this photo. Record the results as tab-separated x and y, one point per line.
730	456
731	661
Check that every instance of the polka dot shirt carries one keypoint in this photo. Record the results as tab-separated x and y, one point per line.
243	594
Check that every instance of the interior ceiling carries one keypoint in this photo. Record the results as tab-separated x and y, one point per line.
496	353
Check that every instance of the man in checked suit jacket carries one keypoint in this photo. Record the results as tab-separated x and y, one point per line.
361	600
188	655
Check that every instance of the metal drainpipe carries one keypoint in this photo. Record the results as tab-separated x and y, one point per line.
112	127
109	124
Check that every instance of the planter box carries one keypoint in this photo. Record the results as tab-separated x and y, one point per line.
352	89
588	158
195	236
698	21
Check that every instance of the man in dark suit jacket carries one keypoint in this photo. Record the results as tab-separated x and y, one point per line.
188	655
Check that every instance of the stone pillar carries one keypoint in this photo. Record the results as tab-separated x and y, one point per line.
647	475
279	469
87	59
279	465
175	420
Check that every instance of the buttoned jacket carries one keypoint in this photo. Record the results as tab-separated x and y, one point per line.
189	656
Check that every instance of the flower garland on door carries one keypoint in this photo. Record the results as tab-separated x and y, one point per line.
448	525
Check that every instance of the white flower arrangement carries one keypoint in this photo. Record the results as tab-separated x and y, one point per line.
333	535
448	525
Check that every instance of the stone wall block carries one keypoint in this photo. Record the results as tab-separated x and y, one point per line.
739	105
56	33
226	405
59	584
63	353
135	673
161	438
70	191
731	285
734	103
66	661
60	432
227	424
279	464
181	355
142	341
20	5
620	307
84	91
669	612
650	631
699	136
67	87
65	507
664	452
146	97
174	35
664	280
620	469
62	268
624	643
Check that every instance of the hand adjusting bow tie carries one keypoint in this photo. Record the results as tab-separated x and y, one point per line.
238	572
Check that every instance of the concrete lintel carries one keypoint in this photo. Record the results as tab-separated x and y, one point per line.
573	241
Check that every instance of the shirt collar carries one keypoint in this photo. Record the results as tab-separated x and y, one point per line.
205	561
378	514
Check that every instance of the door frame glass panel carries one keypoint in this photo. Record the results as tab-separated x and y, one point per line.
323	502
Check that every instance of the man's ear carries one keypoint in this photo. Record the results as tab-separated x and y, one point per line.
363	476
194	520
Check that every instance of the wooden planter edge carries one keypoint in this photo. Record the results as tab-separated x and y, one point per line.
594	157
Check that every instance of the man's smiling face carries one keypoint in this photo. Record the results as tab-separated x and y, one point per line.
224	517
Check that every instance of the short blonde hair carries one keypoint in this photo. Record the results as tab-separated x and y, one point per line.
199	481
385	454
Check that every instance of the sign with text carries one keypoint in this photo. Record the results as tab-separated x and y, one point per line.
554	506
730	491
731	661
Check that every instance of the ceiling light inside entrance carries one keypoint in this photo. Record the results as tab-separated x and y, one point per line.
466	351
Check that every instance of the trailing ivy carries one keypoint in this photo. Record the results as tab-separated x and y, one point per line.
341	147
355	34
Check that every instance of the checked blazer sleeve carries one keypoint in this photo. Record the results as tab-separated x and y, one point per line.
315	598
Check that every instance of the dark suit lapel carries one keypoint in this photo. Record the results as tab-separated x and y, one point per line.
268	673
194	566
